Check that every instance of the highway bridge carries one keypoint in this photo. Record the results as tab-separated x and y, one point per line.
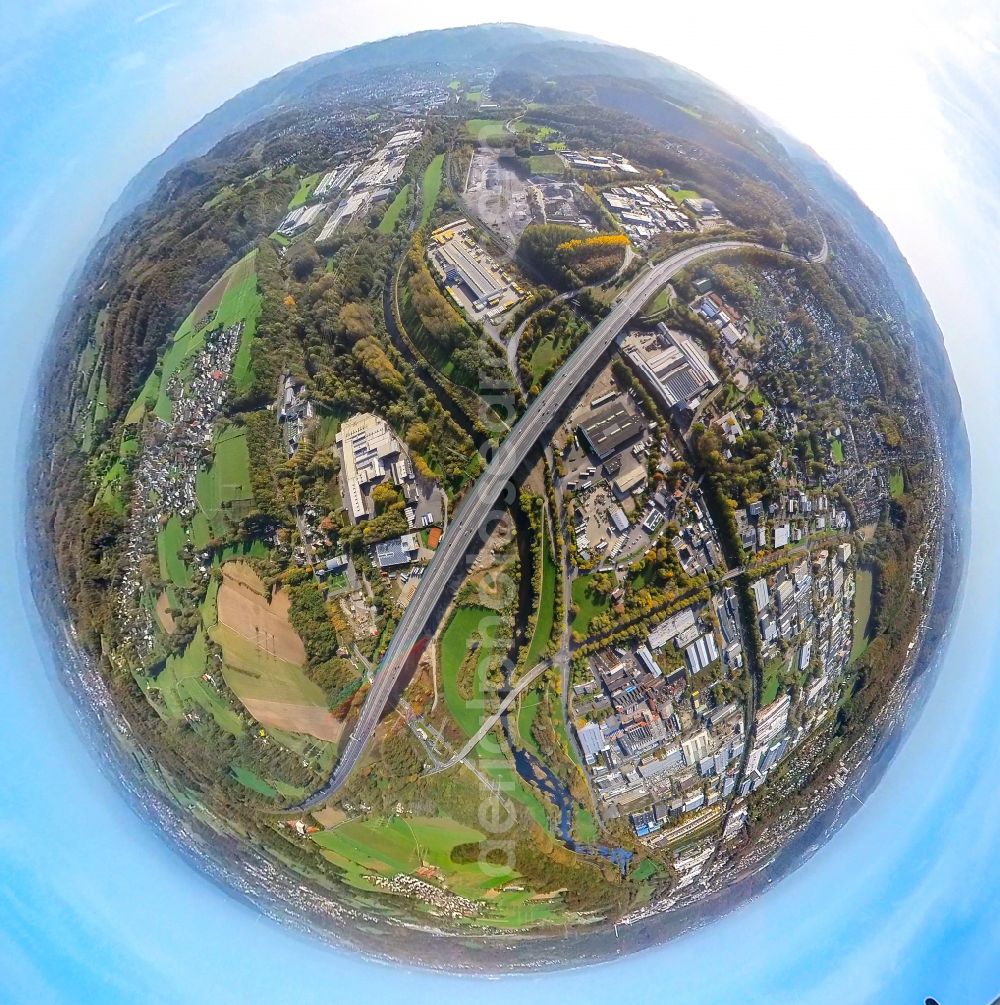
475	509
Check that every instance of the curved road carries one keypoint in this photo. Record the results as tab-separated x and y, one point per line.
478	504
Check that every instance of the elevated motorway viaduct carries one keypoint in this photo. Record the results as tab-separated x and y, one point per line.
473	513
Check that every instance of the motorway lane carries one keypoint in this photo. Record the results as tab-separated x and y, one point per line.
473	511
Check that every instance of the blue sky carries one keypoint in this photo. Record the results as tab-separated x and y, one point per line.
905	102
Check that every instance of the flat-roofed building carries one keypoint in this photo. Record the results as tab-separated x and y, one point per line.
609	428
398	551
369	452
670	363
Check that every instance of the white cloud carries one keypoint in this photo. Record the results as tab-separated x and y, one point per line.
155	12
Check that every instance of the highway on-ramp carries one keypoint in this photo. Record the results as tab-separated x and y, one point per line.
471	516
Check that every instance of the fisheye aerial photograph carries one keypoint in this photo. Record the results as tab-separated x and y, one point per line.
501	503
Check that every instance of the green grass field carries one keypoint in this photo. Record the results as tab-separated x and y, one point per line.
771	683
403	845
239	299
242	302
863	597
756	398
588	605
430	188
145	400
684	193
169	542
253	782
469	626
392	214
551	347
546	608
896	484
586	826
659	303
476	96
305	189
180	685
486	130
527	711
837	452
549	164
540	133
226	481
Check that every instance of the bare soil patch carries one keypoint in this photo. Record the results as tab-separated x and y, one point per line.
244	609
163	613
310	719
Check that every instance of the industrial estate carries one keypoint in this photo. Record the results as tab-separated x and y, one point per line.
476	443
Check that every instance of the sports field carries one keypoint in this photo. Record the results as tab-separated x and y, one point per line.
549	164
430	188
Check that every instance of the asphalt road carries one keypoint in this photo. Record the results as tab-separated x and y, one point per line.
470	518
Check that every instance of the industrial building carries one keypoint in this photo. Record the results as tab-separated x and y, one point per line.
609	428
369	453
300	219
475	281
373	182
670	363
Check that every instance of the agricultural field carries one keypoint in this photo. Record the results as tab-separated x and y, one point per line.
233	298
404	845
169	542
225	484
179	685
264	658
430	188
